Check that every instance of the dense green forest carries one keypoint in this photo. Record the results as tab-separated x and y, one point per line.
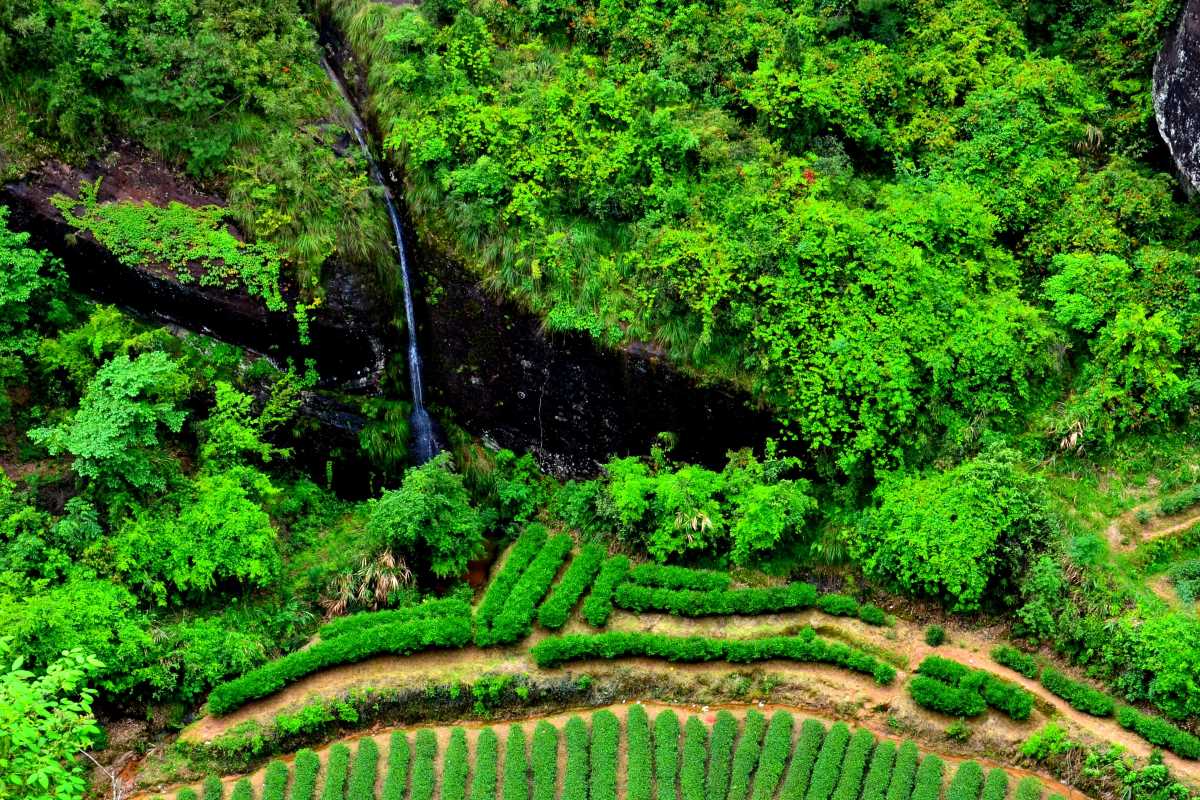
937	241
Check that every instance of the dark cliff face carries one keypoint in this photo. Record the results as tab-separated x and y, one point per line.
1177	95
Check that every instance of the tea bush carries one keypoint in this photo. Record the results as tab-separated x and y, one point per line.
598	606
575	581
745	755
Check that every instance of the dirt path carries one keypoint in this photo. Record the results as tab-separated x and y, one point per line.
1125	533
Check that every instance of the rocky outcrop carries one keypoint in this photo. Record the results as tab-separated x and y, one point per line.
1177	95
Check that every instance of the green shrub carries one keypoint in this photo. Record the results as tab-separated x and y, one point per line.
943	669
336	768
188	793
935	635
1001	695
872	615
401	638
804	647
545	760
1028	789
1078	695
362	772
598	606
929	779
1014	659
275	783
430	609
214	789
640	779
483	777
242	790
575	778
854	766
804	756
838	605
1181	501
395	783
455	765
827	768
495	597
966	783
650	574
424	765
1159	732
940	696
694	766
745	755
996	785
724	734
777	744
666	754
575	581
904	773
304	782
515	621
516	766
689	603
880	772
606	738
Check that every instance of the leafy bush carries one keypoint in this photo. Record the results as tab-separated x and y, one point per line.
455	765
639	761
362	772
545	760
606	736
929	779
724	734
242	790
826	770
650	574
424	767
944	669
188	793
1181	501
1185	577
1002	695
575	581
336	768
875	785
214	789
935	635
804	757
745	755
304	781
598	606
940	696
1014	659
483	776
1028	789
398	638
1159	732
520	555
576	771
515	622
429	609
1078	695
872	615
805	646
854	765
966	783
275	783
666	753
996	785
395	783
838	605
688	603
777	745
904	773
692	769
516	766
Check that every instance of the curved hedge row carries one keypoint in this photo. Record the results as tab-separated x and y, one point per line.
598	606
575	778
804	756
487	759
1159	732
854	766
940	696
545	760
777	745
954	688
745	755
827	768
724	734
424	765
804	647
639	767
430	609
1014	659
703	580
556	608
304	782
606	738
1078	695
399	638
396	781
455	765
666	754
695	761
880	772
523	551
515	621
362	772
690	603
516	766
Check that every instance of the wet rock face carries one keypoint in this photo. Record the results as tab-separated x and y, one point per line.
1177	95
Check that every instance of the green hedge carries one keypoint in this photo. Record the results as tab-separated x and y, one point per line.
940	696
1078	695
872	615
487	760
545	760
1159	732
928	785
724	734
953	684
306	767
943	669
996	785
689	603
516	766
515	621
1014	659
966	783
827	768
598	606
666	754
804	756
745	755
804	647
702	580
693	768
838	605
640	765
495	597
395	783
904	773
362	772
188	793
854	766
455	766
1002	695
430	609
1028	789
242	790
275	783
400	638
875	785
337	766
606	739
424	765
214	789
575	778
556	608
777	744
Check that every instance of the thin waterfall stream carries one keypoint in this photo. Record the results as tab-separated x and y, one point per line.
424	436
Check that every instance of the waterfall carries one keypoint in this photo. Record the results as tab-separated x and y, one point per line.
424	437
